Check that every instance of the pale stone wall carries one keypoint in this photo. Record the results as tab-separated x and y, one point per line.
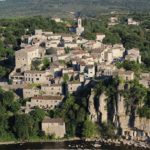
109	57
67	38
91	71
70	45
58	129
44	103
52	89
30	92
91	108
52	43
121	105
118	51
39	77
54	37
20	58
74	87
103	107
25	56
142	124
145	82
100	37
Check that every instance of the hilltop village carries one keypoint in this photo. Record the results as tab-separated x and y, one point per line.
51	66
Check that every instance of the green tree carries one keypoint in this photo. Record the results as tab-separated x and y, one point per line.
23	126
38	114
112	39
46	63
107	130
35	64
90	129
65	77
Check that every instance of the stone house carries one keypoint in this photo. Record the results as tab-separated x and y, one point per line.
113	21
74	86
104	69
67	70
54	126
60	51
45	102
90	71
118	51
54	37
88	60
52	89
100	37
70	45
39	77
82	66
77	53
52	44
133	55
57	19
92	44
145	80
133	22
108	57
17	78
67	38
123	74
24	57
38	32
29	92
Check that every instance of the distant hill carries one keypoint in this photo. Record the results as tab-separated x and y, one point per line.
11	8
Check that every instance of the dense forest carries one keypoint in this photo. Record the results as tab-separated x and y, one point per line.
13	8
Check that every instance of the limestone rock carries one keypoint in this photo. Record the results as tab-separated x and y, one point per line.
121	105
103	107
91	108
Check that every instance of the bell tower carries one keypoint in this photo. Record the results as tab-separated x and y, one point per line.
79	29
79	22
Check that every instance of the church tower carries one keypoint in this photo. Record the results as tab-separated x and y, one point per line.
79	22
79	29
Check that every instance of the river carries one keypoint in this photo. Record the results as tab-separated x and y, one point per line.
65	145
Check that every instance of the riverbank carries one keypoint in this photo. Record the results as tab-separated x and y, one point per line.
118	142
96	141
40	141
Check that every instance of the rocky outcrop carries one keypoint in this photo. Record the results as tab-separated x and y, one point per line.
121	105
140	130
91	107
123	119
103	107
142	124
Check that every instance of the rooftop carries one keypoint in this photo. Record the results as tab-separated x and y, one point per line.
48	97
34	71
52	120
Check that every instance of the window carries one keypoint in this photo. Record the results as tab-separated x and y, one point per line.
37	79
61	124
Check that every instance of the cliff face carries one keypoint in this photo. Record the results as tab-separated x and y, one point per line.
98	111
142	124
91	108
138	129
123	119
103	107
132	126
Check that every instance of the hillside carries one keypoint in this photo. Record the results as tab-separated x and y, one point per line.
9	8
